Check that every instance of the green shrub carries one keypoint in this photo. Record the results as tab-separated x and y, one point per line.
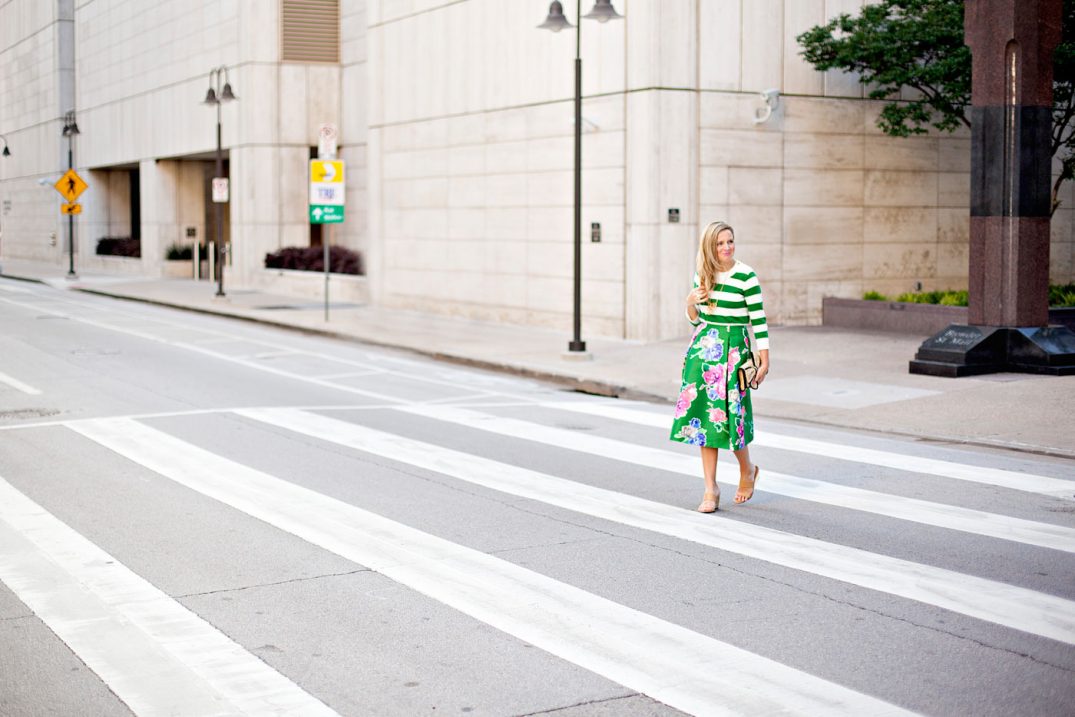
1062	295
179	252
1064	299
185	252
954	298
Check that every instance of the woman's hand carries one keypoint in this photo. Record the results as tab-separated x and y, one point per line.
763	366
697	296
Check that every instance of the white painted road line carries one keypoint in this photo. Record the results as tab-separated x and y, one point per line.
686	670
223	357
989	600
154	654
19	385
13	289
952	517
1027	482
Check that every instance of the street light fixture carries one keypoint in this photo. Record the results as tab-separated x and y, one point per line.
7	152
217	95
70	129
602	12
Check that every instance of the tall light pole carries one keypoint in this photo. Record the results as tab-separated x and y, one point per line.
70	129
602	12
217	95
6	153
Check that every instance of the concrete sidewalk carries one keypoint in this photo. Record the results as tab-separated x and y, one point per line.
839	377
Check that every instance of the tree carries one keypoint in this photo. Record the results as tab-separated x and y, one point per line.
919	44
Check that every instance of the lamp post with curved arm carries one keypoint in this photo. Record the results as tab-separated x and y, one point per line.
70	129
219	93
6	153
602	12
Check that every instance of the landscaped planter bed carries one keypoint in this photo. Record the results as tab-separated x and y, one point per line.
923	319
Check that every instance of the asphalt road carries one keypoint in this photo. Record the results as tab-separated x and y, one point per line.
200	516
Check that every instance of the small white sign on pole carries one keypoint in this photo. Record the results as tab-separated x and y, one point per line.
326	141
220	190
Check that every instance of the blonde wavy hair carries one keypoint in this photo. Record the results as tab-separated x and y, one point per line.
707	264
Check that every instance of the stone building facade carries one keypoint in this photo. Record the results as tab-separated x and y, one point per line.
456	119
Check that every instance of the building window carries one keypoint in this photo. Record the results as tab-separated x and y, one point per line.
310	31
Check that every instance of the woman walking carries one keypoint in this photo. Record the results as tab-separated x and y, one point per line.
713	411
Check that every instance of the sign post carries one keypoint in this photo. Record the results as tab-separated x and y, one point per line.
70	186
326	200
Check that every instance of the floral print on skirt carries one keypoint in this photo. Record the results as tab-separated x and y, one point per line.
710	410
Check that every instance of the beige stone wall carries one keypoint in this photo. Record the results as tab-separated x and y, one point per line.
470	168
30	99
353	96
1062	235
825	204
471	164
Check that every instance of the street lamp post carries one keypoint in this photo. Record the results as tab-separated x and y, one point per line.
217	95
70	129
6	152
602	12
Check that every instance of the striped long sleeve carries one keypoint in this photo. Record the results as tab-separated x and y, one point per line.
756	311
735	299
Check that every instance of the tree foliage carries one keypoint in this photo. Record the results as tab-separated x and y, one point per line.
893	44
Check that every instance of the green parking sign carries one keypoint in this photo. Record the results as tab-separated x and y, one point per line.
326	214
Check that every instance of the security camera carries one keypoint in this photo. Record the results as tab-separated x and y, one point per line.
771	98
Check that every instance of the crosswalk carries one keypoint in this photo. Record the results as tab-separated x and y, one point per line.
520	447
672	664
157	656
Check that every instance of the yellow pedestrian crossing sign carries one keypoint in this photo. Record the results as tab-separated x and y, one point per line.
70	208
326	171
70	185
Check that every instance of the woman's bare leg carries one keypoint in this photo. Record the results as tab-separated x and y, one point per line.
746	475
709	474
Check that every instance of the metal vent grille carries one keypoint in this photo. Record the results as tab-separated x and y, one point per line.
310	31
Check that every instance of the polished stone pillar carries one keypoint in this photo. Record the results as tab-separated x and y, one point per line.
1012	43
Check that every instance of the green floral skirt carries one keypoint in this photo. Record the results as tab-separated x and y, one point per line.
710	410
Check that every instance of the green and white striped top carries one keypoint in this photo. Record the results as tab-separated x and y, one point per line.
735	300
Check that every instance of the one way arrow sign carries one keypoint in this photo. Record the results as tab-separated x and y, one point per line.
325	214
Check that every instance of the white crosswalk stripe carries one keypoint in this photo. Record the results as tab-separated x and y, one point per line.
1028	482
19	385
157	656
679	667
940	515
996	602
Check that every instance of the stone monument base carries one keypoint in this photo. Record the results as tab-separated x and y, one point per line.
962	350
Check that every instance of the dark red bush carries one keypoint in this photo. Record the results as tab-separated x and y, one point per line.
340	259
119	246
